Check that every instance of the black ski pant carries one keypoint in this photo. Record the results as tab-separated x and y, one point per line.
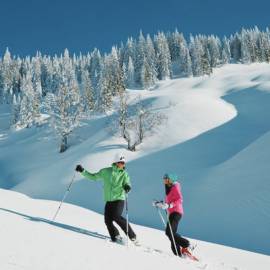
113	213
174	219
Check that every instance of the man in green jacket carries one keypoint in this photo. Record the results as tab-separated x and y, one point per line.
116	184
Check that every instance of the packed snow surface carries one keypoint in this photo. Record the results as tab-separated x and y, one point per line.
77	239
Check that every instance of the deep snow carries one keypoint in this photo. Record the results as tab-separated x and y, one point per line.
216	139
78	240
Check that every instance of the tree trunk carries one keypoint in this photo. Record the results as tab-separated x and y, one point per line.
64	145
132	147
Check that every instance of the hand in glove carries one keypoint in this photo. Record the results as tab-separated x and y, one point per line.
127	188
162	205
79	168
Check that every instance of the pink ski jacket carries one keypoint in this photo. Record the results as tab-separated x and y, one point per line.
175	199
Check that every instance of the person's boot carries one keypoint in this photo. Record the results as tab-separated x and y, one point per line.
135	241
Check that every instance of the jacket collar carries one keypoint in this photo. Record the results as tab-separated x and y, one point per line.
115	168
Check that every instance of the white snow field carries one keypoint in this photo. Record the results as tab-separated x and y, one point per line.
216	139
77	239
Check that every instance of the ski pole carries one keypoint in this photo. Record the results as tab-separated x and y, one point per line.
127	216
168	219
64	197
170	227
162	218
158	210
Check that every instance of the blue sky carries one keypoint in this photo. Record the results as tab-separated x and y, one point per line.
80	25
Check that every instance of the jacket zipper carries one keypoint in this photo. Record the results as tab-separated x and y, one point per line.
111	185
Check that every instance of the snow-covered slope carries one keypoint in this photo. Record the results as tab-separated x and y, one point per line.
216	138
78	240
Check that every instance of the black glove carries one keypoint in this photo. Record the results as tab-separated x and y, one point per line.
79	168
127	188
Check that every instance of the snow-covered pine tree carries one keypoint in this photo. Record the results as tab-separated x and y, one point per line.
94	70
128	51
46	75
139	59
27	107
16	76
7	78
196	52
87	99
151	61
235	47
186	63
15	110
266	44
246	47
226	51
163	56
56	75
256	35
117	75
64	106
1	84
214	47
205	56
178	45
146	75
106	96
129	74
36	80
260	47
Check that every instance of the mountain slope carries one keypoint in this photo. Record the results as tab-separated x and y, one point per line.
216	139
77	240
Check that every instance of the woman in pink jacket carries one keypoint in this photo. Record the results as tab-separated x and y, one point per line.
174	205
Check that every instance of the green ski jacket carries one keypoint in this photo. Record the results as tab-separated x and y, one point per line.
114	180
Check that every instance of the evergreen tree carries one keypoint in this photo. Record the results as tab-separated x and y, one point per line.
87	98
139	59
64	106
129	75
163	56
116	73
186	64
95	72
28	108
246	47
178	51
226	51
105	100
214	48
235	47
46	75
150	60
7	77
146	75
15	112
197	53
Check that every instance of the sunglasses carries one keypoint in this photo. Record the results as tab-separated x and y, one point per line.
121	162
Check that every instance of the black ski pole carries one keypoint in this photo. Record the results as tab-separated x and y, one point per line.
169	224
64	197
127	216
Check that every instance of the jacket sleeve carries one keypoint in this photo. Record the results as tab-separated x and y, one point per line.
93	176
126	180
